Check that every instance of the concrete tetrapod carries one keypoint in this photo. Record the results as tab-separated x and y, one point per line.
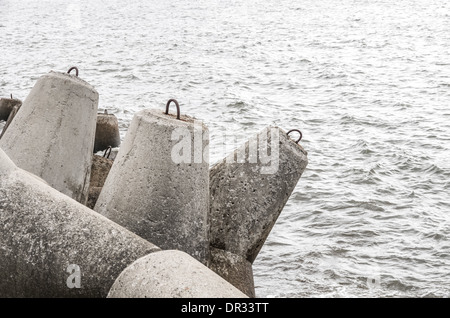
234	269
248	190
158	184
49	243
7	105
52	136
11	116
99	171
171	274
106	132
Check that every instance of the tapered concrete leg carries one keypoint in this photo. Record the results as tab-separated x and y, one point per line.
248	195
52	136
171	274
248	190
234	269
158	184
53	246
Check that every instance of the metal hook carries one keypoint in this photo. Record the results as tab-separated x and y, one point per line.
73	68
300	138
104	155
178	107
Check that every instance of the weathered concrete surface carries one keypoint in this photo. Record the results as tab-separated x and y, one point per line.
99	171
43	232
94	193
151	193
171	274
6	107
234	269
52	136
247	197
106	132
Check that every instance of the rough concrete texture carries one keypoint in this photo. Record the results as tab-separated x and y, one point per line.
99	171
6	107
106	132
152	194
43	232
52	136
171	274
247	196
94	193
234	269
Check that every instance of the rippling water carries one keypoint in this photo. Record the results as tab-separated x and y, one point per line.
367	83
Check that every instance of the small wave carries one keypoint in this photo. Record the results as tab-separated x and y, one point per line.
366	121
433	294
435	236
401	106
398	285
238	105
105	62
358	233
129	77
433	169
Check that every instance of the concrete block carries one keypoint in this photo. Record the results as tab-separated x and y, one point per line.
52	136
250	187
53	246
99	171
94	193
171	274
7	105
11	116
158	184
234	269
107	132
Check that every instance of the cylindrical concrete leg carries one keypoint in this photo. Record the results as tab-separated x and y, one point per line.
52	136
53	246
6	107
106	132
171	274
234	269
250	187
158	184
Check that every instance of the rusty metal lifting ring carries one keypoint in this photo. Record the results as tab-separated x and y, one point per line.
300	138
178	107
104	155
73	68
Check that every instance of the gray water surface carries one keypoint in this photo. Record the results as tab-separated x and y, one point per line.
367	83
